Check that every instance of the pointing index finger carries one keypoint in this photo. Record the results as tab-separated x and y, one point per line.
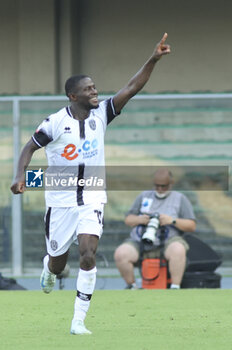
162	41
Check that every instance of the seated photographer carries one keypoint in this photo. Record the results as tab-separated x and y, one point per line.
159	217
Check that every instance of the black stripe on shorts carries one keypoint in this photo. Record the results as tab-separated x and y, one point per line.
47	222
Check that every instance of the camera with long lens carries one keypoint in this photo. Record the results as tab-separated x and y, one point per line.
149	235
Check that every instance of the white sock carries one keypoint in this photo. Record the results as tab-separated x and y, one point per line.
85	286
175	286
45	263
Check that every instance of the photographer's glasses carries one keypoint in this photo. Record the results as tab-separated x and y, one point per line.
161	186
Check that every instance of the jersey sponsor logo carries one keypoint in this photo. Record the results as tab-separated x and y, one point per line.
34	178
87	145
69	152
88	148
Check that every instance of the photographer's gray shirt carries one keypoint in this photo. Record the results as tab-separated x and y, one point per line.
176	205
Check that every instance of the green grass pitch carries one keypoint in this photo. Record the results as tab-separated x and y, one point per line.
140	320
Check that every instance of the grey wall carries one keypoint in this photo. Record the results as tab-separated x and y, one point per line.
27	46
43	42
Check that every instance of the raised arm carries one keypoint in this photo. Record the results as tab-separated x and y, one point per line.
18	185
141	77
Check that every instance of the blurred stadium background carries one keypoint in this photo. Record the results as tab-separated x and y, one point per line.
188	120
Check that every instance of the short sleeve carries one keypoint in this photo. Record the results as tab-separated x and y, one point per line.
135	208
110	111
43	134
186	209
105	112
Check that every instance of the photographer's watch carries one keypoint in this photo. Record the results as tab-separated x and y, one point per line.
174	221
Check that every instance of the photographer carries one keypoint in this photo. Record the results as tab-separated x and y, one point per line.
174	217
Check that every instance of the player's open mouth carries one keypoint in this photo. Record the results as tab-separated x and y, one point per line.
94	100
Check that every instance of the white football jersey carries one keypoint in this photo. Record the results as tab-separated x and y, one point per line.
73	144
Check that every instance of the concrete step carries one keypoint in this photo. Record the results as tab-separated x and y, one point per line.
180	117
178	102
162	134
111	238
179	151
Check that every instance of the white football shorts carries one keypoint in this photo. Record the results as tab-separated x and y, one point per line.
63	225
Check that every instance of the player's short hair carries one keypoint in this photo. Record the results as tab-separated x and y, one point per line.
72	82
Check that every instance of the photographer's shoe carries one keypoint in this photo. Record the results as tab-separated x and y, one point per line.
175	286
131	286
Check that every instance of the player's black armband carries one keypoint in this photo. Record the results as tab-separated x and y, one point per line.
41	139
110	111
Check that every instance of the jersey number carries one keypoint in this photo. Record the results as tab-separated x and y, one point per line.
99	216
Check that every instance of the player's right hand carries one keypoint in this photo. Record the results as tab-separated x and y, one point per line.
18	187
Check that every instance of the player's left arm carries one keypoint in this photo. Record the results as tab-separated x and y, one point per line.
138	81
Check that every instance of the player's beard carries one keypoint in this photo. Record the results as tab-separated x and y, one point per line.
87	105
94	106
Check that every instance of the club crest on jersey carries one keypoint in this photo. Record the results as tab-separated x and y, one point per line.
92	124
